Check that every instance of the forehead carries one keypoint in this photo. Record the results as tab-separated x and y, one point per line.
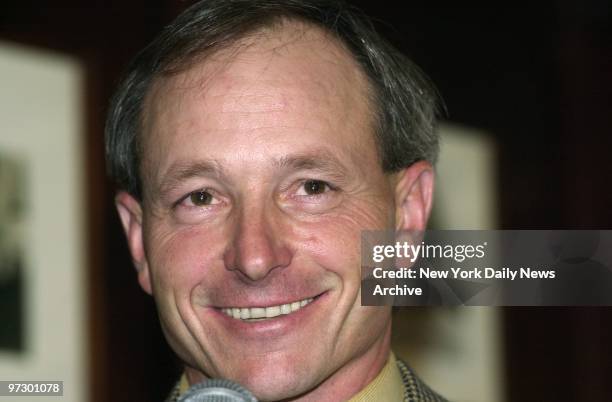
289	84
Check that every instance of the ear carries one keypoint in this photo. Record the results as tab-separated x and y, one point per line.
414	196
130	213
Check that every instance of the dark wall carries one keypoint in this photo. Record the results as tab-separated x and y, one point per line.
537	77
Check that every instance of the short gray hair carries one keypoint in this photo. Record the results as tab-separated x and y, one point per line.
406	100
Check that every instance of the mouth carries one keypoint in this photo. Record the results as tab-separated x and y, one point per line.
251	314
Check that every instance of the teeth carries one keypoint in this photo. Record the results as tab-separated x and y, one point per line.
272	311
257	313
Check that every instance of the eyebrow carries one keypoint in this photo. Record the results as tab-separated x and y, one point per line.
181	171
316	160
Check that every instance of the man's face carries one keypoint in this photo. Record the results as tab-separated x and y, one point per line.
260	172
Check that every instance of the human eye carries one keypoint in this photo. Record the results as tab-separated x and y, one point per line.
199	198
313	187
313	196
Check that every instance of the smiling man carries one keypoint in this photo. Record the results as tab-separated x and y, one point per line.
253	142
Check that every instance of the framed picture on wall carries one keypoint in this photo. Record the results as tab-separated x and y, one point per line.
43	301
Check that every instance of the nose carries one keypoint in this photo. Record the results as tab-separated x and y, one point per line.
258	246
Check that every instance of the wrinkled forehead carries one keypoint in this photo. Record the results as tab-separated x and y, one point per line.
285	52
292	74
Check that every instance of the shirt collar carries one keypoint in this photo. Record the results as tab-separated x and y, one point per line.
386	386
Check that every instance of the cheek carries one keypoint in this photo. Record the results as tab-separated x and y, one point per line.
334	241
181	259
365	324
337	249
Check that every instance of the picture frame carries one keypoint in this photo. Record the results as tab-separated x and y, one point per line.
41	127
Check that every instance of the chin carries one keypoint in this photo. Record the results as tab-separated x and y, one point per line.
275	380
276	389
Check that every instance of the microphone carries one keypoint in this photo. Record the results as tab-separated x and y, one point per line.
217	390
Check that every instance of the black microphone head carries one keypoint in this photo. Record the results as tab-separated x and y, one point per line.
216	390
